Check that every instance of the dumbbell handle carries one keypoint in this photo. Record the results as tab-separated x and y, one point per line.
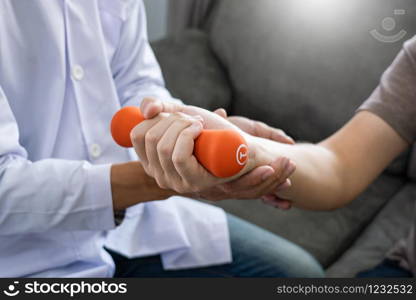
224	153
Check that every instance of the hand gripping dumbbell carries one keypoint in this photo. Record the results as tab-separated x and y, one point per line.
224	153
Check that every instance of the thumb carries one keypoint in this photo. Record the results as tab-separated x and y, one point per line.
221	112
151	107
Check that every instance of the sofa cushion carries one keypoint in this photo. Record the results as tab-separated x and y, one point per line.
324	234
302	65
392	224
192	72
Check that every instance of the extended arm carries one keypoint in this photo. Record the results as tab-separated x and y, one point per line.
334	172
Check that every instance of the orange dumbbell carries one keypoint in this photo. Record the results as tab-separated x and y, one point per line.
224	153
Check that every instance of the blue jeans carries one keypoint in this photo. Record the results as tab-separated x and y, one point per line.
387	269
256	253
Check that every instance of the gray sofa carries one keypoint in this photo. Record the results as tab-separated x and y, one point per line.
304	68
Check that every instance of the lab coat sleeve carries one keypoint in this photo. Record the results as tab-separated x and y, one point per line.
136	71
49	194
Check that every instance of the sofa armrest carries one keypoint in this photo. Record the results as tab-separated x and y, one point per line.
191	70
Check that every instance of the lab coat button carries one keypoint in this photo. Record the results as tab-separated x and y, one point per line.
77	72
95	150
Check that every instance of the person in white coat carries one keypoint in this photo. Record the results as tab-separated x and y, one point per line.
66	67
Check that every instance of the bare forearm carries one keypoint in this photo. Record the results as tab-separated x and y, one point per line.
336	171
317	182
131	185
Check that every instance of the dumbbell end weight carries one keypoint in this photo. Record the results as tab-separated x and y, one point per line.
224	153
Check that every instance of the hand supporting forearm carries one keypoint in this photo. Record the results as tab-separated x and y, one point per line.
336	171
165	144
131	185
317	182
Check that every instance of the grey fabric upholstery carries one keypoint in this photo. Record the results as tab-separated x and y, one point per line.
390	225
192	72
304	69
305	62
325	234
184	14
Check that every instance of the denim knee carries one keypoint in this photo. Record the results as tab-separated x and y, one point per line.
260	253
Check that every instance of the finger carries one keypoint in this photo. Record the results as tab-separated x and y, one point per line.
248	181
166	147
152	138
281	137
138	137
290	169
280	166
252	185
287	184
255	184
221	112
263	130
276	202
269	200
183	159
284	182
151	107
284	168
245	124
270	185
282	205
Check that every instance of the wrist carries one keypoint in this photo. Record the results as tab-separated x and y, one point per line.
130	185
259	153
